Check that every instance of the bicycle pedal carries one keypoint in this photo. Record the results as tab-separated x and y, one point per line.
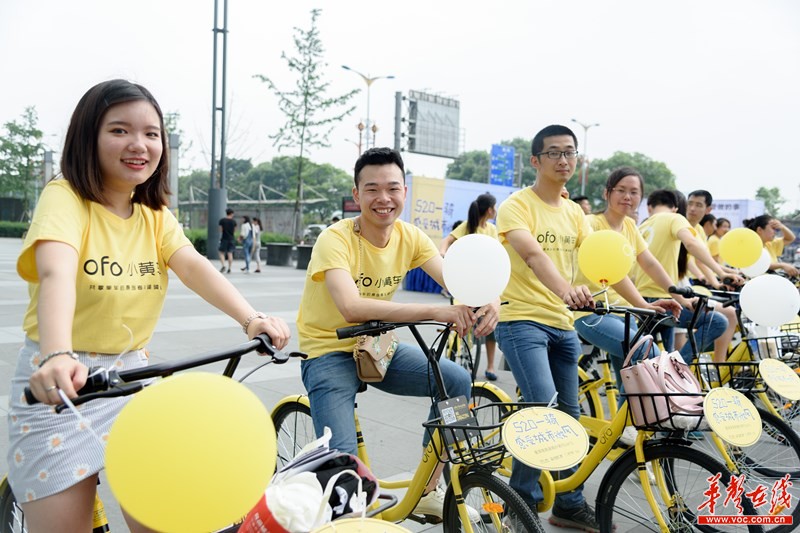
424	518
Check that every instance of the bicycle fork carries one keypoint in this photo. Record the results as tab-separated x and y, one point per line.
644	479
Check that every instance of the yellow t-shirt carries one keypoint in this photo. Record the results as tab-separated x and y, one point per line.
559	231
382	272
775	248
122	267
700	236
713	245
461	230
660	232
637	242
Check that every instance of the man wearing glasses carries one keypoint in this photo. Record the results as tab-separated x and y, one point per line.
541	232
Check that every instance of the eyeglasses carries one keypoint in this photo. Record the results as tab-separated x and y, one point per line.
624	192
555	154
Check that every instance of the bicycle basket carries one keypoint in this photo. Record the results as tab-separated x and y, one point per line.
474	443
742	376
659	412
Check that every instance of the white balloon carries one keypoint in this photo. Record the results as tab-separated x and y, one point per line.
770	300
476	269
759	267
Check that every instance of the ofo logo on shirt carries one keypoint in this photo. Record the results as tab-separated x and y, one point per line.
549	237
103	267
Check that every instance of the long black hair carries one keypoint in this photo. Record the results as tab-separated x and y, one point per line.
477	209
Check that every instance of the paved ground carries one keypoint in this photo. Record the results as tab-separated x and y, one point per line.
189	326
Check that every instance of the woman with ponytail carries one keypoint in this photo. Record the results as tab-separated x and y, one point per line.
481	211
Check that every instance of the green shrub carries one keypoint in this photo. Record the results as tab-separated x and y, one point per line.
199	238
275	237
13	229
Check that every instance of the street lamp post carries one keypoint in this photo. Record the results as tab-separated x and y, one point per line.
369	81
585	165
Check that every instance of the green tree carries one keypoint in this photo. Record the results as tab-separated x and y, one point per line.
656	175
310	114
772	199
21	158
470	166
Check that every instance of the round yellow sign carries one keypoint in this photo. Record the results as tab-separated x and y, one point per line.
780	378
732	416
360	525
545	438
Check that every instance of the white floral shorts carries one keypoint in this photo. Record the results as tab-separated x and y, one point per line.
49	452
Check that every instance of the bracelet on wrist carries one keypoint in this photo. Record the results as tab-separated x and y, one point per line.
56	354
250	318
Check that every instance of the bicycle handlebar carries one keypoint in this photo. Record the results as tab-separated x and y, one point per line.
104	383
726	298
376	327
601	309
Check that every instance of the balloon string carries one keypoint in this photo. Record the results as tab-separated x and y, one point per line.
82	419
71	406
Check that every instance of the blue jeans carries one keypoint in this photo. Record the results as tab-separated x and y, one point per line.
247	248
709	326
332	384
543	360
607	332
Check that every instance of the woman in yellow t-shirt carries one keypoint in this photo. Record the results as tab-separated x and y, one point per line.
96	259
481	211
723	227
623	193
766	226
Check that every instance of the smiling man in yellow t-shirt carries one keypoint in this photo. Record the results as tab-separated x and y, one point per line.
356	267
541	232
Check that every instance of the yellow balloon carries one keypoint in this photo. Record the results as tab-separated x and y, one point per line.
740	247
605	257
192	453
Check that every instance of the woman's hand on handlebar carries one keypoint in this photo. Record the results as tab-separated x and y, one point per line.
59	373
487	317
276	328
666	305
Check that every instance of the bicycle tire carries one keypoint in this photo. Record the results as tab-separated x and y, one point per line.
294	429
621	502
12	519
776	454
589	400
481	490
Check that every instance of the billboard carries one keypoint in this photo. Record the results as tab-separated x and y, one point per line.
433	124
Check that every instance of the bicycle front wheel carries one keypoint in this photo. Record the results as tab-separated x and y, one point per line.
499	508
12	520
679	477
294	429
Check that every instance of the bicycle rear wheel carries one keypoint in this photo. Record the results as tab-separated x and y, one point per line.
682	474
496	502
294	429
12	520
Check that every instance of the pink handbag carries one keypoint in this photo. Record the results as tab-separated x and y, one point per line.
661	388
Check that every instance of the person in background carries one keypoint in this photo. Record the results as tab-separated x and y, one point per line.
227	240
709	225
481	211
564	193
723	227
256	253
246	238
768	228
664	231
698	207
104	223
585	204
334	220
